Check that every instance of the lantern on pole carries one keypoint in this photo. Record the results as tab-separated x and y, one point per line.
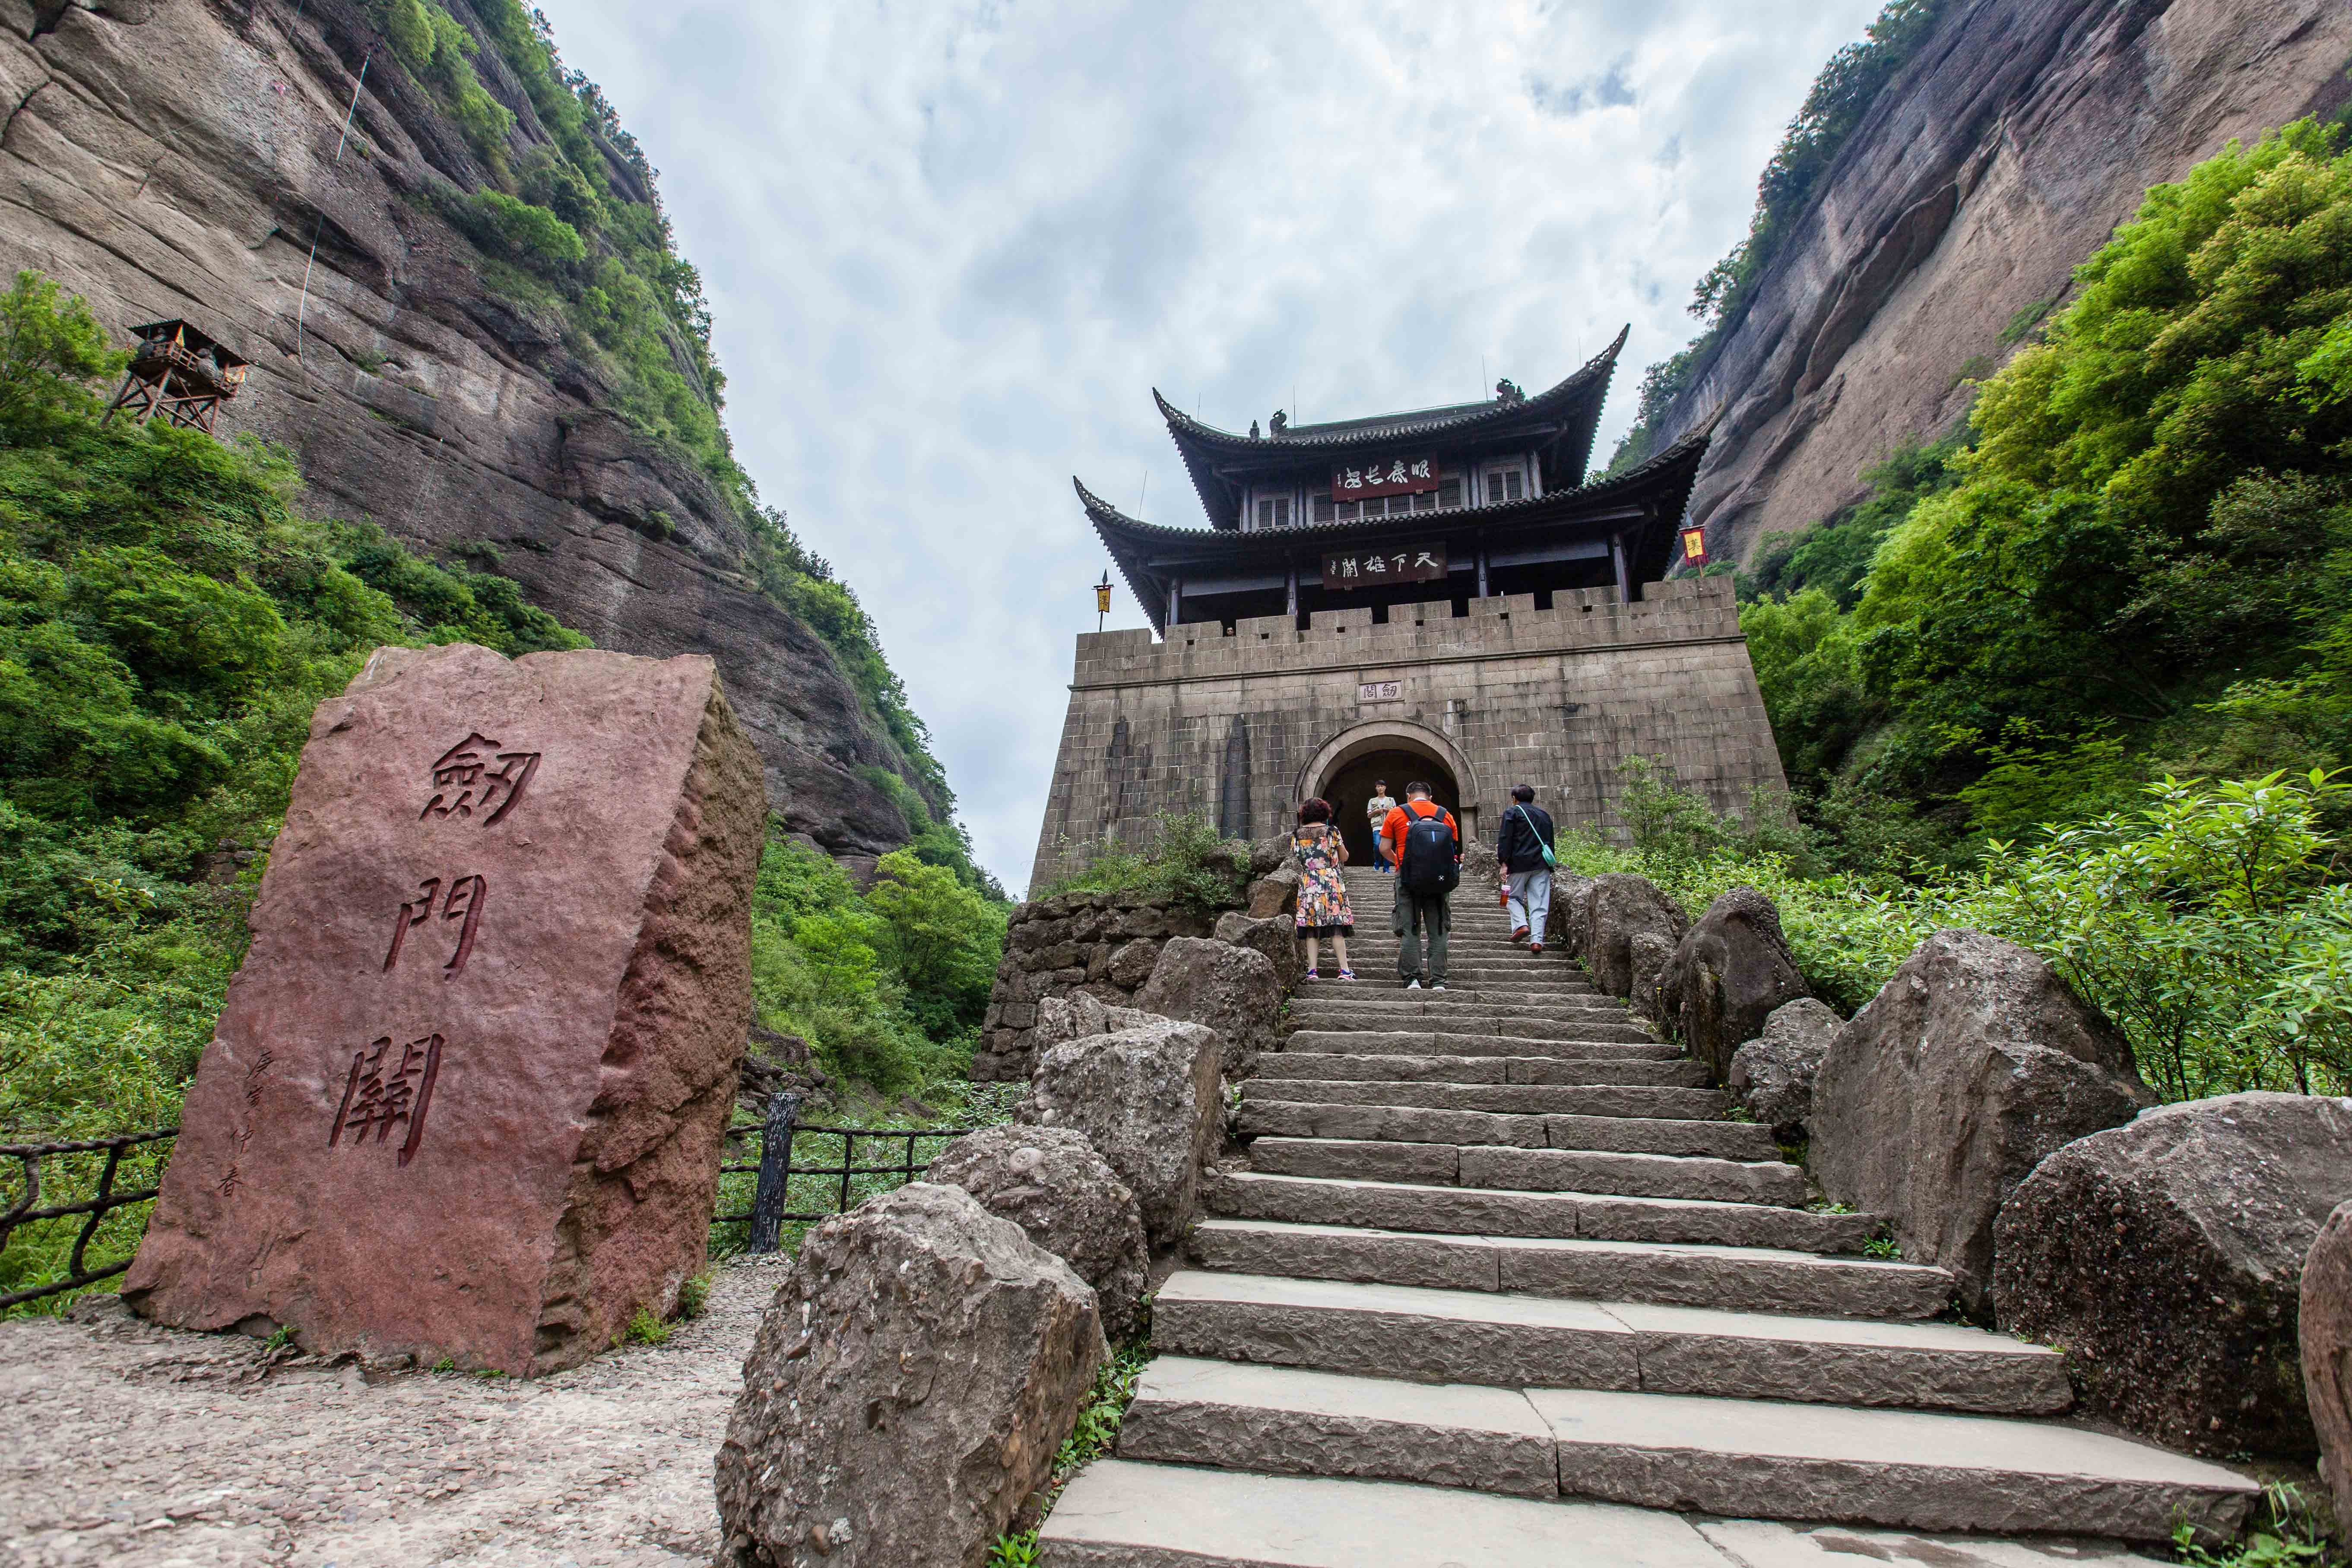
1102	599
1694	546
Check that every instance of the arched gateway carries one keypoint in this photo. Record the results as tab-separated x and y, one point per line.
1437	595
1394	751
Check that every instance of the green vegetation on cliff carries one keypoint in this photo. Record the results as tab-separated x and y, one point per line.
1833	110
574	226
2082	675
2139	562
167	623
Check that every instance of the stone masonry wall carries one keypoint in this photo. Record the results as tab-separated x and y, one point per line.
1231	726
1101	944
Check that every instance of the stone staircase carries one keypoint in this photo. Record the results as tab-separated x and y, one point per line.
1499	1262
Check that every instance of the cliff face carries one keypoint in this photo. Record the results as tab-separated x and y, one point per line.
178	157
2002	155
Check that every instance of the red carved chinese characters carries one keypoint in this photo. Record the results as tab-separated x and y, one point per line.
462	903
466	785
381	1092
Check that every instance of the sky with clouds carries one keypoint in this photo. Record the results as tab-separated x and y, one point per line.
950	246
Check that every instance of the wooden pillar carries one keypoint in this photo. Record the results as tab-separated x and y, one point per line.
1617	561
1290	592
1175	600
1482	568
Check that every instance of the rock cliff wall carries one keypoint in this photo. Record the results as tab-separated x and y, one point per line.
2005	152
179	158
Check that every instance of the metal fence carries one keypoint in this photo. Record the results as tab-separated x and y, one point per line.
65	1167
839	1187
804	1174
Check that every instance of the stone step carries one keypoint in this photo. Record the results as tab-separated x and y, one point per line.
1511	1341
1375	1119
1426	1005
1735	1278
1356	1067
1119	1514
1516	1169
1470	1211
1740	1457
1577	1099
1367	1017
1292	1421
1536	1061
1377	985
1558	1106
1903	1467
1446	1042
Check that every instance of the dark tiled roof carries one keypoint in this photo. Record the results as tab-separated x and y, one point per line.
1661	487
1574	404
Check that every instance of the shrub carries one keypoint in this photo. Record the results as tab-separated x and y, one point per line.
529	234
1181	858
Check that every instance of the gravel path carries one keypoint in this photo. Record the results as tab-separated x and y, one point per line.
127	1443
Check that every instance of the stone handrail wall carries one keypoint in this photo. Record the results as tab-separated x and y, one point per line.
1103	944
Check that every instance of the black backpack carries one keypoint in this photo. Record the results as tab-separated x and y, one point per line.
1429	865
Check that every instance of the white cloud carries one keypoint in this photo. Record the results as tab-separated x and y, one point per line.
950	247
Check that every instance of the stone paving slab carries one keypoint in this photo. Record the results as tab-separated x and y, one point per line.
1751	1280
1461	1336
1124	1515
1632	1175
1287	1421
1881	1466
1401	1203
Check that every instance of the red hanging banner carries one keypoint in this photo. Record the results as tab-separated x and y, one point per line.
1694	546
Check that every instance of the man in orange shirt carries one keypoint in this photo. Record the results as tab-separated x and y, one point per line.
1429	865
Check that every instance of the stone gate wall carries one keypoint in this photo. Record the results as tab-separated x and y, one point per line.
1229	727
1104	944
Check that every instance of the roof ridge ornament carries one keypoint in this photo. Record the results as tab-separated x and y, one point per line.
1508	391
1281	423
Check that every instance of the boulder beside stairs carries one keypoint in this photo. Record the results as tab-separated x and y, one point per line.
1774	1074
2166	1257
909	1388
1148	1097
1064	1196
1727	975
1972	1064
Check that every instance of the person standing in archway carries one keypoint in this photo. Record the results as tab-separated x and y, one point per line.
1319	851
1524	859
1376	811
1426	846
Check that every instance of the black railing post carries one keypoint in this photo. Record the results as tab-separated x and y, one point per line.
775	1171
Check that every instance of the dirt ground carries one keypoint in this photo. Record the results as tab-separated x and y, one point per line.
120	1442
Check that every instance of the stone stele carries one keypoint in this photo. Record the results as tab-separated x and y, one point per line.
465	1097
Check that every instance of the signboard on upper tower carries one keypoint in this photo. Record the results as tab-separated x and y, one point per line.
1384	477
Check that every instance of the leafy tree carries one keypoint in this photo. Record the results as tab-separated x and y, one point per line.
49	353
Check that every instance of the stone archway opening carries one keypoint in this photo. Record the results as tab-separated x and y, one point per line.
1349	784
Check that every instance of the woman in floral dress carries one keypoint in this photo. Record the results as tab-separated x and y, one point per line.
1320	852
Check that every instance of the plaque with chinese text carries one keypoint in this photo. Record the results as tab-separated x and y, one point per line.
1370	568
1383	477
1379	690
465	1096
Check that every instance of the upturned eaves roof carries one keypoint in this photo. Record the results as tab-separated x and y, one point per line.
1574	404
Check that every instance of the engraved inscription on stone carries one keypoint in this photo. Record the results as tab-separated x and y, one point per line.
1379	691
467	784
383	1090
462	901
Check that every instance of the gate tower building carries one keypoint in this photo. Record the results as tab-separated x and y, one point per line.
1439	594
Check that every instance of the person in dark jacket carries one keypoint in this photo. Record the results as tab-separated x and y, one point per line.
1523	857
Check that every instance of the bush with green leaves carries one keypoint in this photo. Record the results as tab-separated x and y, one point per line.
168	622
888	986
1182	858
2212	922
